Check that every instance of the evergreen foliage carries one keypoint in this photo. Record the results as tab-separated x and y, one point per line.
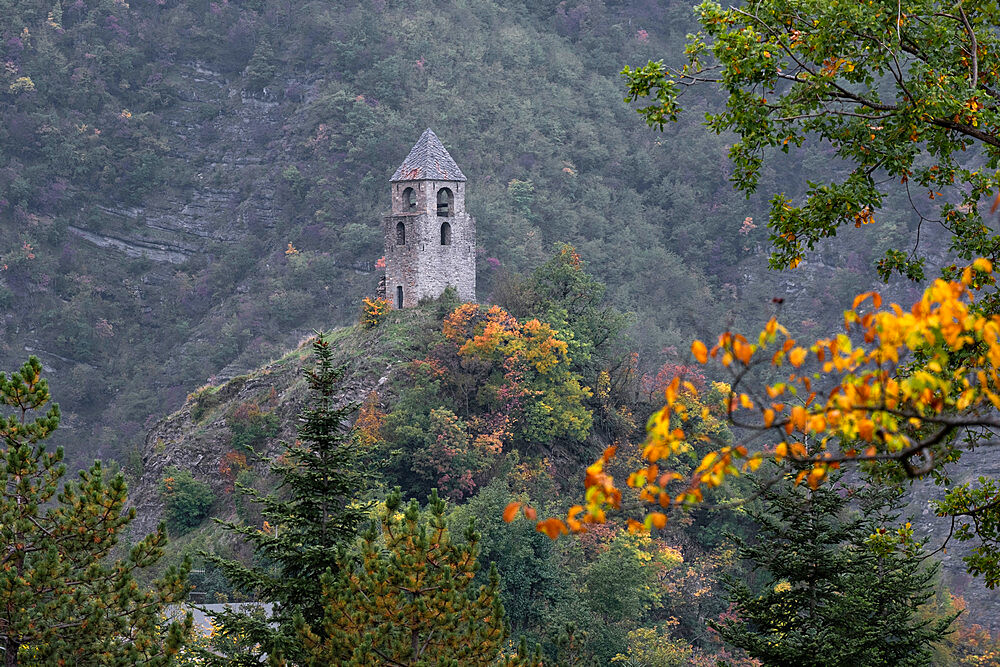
63	598
411	599
308	520
837	590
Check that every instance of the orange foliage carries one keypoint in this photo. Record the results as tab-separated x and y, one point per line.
373	311
497	335
368	426
868	413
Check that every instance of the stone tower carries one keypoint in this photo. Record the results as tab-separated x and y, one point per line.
430	241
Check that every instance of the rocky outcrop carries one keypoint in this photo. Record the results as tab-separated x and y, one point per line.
230	186
198	436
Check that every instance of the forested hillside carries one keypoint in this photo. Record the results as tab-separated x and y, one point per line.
189	188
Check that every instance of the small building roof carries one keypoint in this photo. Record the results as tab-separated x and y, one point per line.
428	160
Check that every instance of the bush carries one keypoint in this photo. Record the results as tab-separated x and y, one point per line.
250	427
202	400
373	311
187	500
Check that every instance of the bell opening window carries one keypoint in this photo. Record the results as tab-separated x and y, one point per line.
399	296
409	200
400	234
445	233
445	203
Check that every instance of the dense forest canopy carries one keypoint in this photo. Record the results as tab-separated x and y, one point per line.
195	141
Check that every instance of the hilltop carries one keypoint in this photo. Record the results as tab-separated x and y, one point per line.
186	190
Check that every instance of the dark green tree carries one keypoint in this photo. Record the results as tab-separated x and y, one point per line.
562	293
837	587
63	599
411	599
308	520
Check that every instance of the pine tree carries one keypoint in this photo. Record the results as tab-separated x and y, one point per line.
837	591
411	599
308	520
63	600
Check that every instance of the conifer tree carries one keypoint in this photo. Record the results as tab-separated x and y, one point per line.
840	590
63	600
308	520
410	599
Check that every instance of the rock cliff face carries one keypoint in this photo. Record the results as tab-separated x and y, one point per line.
218	133
983	604
199	436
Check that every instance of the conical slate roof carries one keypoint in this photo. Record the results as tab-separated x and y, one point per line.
428	160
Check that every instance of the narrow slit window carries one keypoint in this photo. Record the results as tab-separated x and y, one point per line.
445	233
399	297
400	234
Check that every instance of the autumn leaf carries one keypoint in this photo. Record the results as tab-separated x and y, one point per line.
552	527
511	511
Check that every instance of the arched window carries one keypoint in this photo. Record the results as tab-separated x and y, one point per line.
409	199
445	233
445	202
399	296
400	234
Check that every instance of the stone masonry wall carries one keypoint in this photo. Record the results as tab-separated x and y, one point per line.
444	265
424	267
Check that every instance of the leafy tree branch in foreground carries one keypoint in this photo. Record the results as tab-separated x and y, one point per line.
899	392
906	94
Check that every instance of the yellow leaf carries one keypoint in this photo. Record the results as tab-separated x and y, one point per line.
671	391
816	476
699	351
798	418
797	356
742	351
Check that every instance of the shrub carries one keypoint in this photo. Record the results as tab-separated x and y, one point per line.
202	400
373	311
187	500
250	427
